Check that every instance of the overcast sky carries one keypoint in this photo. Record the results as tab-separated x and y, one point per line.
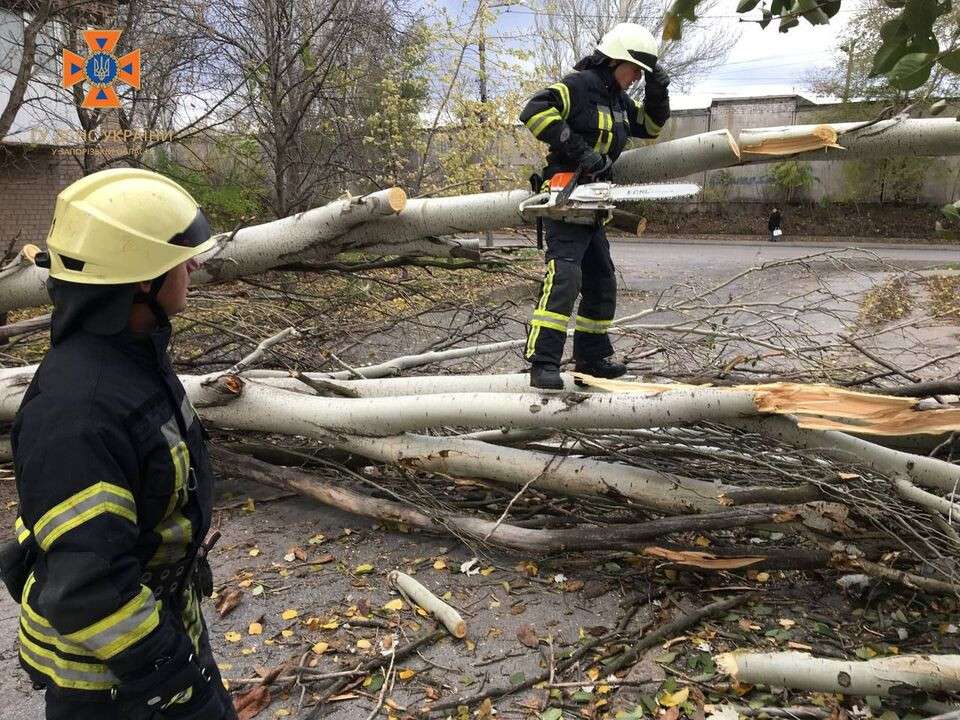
763	62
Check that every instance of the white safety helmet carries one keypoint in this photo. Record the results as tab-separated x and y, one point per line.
632	43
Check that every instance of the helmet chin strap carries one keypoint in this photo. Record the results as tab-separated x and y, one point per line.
150	299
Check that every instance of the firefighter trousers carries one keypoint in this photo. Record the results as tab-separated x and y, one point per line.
578	264
62	708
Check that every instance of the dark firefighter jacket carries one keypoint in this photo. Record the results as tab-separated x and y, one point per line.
116	491
588	111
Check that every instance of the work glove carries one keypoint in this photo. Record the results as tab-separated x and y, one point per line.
593	164
176	687
658	80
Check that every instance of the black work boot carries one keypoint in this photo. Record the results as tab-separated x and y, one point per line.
602	368
545	376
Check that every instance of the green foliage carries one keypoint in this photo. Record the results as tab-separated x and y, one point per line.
791	178
887	180
949	226
909	48
224	186
389	111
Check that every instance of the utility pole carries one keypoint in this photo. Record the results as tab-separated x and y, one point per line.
848	49
482	50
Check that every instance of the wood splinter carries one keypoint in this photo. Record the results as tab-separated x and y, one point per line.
417	594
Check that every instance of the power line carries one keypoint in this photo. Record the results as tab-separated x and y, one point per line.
599	16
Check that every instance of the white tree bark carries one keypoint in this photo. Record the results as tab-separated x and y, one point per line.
262	408
457	456
677	158
260	247
251	250
431	217
423	384
924	471
926	137
417	594
880	676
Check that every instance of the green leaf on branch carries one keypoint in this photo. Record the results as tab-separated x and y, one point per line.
912	70
894	29
887	56
747	5
686	9
812	12
787	22
831	8
951	61
919	15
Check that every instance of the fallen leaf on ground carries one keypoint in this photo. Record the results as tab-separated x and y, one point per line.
406	674
320	648
228	601
527	635
232	636
440	564
364	569
669	700
250	703
364	644
395	604
573	585
289	614
255	629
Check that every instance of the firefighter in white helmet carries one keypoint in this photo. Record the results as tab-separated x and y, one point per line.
115	486
586	120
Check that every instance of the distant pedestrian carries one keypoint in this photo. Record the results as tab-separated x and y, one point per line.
773	225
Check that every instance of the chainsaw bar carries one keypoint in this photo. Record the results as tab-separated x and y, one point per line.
608	192
567	200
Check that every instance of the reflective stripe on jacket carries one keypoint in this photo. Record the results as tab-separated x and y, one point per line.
588	111
116	491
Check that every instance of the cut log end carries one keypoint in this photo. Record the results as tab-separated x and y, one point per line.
727	664
397	199
29	252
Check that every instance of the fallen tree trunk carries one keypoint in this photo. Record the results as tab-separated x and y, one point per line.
461	457
503	534
381	223
880	676
898	137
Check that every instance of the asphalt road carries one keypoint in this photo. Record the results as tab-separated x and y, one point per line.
653	265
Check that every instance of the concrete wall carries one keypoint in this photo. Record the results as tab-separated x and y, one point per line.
922	181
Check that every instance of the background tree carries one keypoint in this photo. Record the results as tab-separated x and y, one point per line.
570	29
850	76
915	43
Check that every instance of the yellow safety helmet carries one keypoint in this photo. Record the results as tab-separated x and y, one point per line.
121	226
632	43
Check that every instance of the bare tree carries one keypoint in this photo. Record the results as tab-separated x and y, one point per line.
303	64
571	29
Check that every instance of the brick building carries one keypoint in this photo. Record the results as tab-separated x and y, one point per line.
34	166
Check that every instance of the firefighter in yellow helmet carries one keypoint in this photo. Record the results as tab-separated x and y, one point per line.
112	469
586	119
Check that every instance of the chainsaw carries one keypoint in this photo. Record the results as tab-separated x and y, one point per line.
585	204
